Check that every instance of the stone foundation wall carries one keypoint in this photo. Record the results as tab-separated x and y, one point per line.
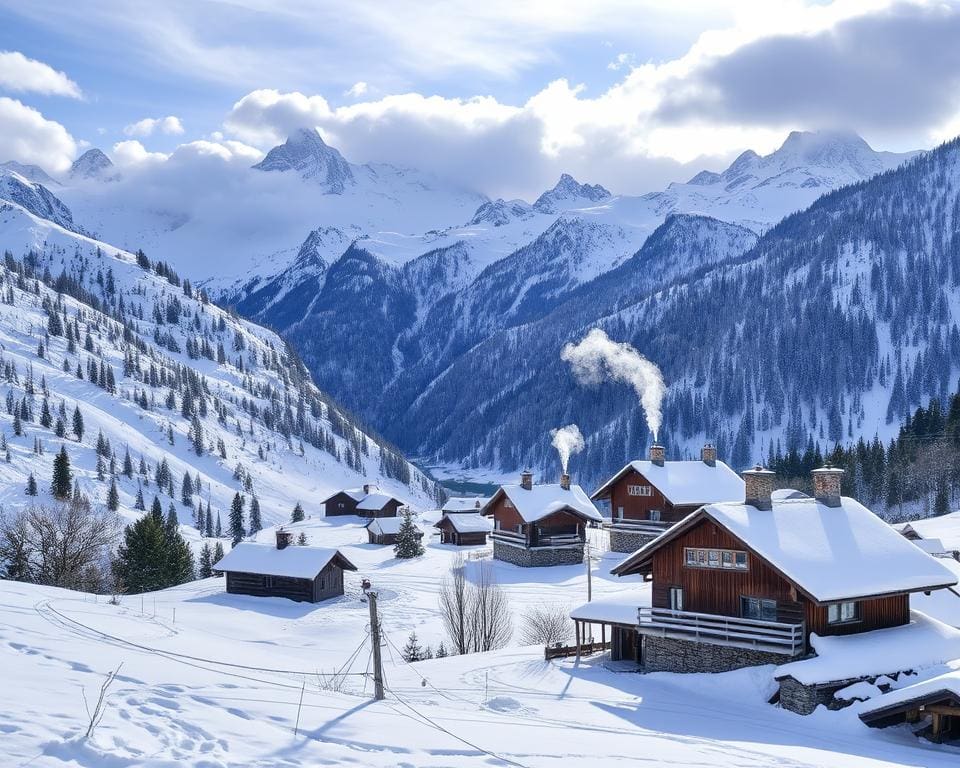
664	654
803	699
534	558
629	541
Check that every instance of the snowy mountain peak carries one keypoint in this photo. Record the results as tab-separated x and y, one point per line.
92	164
34	198
569	190
500	212
32	173
305	152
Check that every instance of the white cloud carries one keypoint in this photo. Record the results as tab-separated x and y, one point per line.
132	153
28	137
23	75
622	61
357	90
169	125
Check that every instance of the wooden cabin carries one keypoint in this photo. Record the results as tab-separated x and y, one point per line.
647	497
301	573
535	525
931	708
384	530
464	530
463	505
365	502
744	583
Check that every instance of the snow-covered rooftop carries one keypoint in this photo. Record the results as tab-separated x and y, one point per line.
538	501
388	525
924	642
944	527
612	611
295	562
831	553
467	523
686	482
374	501
947	683
464	504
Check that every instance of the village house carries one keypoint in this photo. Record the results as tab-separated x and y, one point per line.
647	497
930	707
384	530
463	505
367	501
535	525
737	584
301	573
463	530
938	535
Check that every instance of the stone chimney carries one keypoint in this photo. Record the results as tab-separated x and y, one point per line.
366	487
284	538
657	454
526	479
565	481
709	455
826	485
759	487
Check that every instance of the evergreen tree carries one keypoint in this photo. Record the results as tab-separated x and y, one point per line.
255	523
236	519
219	529
302	539
127	463
408	538
208	523
152	556
113	496
297	516
441	651
217	557
186	490
62	482
78	423
31	485
205	570
138	503
156	509
412	650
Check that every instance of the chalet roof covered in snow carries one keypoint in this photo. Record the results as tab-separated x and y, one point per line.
612	611
466	523
923	643
463	504
830	553
539	501
933	688
684	482
389	525
943	527
295	562
374	501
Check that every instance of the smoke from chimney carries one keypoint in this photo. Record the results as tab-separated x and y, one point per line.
568	441
597	358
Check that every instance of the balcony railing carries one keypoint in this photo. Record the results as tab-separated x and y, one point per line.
641	526
557	540
731	631
513	536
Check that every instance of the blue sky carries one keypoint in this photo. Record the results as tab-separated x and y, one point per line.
503	94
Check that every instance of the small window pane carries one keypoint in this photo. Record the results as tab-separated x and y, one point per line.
691	557
741	560
701	557
728	560
714	558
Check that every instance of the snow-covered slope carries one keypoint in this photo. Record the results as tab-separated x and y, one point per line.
177	362
34	197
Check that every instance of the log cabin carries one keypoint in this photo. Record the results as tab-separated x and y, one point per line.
384	530
463	530
536	525
301	573
647	497
737	584
365	502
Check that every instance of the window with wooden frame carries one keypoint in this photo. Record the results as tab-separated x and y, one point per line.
843	613
508	504
639	490
654	515
730	559
758	608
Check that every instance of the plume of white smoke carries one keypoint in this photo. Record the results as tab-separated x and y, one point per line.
596	358
568	441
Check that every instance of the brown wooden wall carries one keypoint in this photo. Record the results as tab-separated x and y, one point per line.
877	613
333	506
508	517
329	583
638	507
561	519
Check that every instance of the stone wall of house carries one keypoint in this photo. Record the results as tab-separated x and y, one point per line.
629	541
529	558
664	654
804	699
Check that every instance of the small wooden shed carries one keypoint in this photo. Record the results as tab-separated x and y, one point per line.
932	707
301	573
464	529
384	530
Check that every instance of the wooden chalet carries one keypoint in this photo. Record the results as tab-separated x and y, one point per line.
647	497
463	530
931	708
301	573
461	505
535	525
384	530
365	502
742	583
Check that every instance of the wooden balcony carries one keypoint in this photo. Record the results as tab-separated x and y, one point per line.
655	527
754	634
540	540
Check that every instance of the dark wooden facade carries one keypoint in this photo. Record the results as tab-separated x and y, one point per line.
374	537
562	523
390	509
450	535
328	583
340	504
719	590
631	507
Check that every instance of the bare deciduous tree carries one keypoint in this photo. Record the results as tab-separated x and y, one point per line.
545	625
63	545
454	606
475	614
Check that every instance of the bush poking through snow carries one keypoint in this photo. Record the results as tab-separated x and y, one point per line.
545	625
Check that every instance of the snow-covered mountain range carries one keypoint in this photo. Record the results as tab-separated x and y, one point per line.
390	283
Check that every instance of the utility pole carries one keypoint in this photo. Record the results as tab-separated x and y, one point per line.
375	639
589	573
